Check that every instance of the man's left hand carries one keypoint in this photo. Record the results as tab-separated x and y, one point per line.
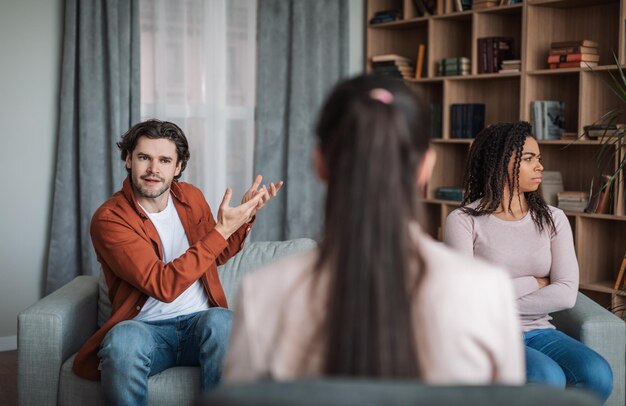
268	193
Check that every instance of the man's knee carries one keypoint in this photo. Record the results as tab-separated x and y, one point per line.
215	324
126	340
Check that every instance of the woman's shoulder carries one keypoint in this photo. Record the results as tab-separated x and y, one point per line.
557	213
447	262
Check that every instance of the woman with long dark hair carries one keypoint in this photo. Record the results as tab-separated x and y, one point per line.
504	219
378	298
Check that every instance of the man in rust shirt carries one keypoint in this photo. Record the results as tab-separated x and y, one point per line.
159	247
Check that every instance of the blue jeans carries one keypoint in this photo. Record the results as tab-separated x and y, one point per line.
134	350
554	358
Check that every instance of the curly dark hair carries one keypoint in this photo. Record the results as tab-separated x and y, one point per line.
487	174
155	129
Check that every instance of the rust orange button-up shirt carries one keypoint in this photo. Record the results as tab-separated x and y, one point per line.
129	249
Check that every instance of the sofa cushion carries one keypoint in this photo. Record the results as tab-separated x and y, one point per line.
252	257
174	386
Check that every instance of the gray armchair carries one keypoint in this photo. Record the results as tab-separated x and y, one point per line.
51	331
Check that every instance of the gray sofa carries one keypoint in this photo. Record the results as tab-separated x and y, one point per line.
51	332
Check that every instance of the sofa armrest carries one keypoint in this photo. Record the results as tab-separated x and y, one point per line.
49	332
602	331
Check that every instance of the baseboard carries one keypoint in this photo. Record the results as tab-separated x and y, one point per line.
8	343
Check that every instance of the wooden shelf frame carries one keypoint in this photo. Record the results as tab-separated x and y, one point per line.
600	239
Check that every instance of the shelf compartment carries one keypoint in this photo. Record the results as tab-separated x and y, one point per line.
575	162
564	87
429	218
594	87
389	41
497	25
458	43
501	98
552	21
601	245
449	168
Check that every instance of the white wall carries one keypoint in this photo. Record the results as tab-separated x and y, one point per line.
30	59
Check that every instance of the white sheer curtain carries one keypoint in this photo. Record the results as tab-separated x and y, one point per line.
198	70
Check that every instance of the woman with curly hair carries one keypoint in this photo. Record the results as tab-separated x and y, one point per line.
504	219
378	298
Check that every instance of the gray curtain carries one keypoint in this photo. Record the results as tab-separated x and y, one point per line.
302	53
99	101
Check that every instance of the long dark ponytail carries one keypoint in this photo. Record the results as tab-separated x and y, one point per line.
372	133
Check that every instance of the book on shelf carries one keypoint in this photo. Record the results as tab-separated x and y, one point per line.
467	119
562	65
575	43
573	50
510	66
599	195
453	193
492	51
572	200
426	7
620	281
419	64
385	16
596	131
404	72
481	4
435	120
391	58
578	57
548	119
453	66
551	185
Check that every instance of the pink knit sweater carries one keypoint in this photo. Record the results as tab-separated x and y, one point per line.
526	253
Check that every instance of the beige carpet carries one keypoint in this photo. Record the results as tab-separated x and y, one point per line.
8	378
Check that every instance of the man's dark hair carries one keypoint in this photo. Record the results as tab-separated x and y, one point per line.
155	129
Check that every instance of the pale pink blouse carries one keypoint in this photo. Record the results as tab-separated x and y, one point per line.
466	325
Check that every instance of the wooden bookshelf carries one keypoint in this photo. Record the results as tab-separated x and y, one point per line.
600	239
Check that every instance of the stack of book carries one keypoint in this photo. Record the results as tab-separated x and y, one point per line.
572	201
573	54
510	66
386	16
467	119
479	4
393	65
596	131
492	51
548	119
453	66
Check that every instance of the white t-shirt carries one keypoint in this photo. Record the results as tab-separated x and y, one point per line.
174	244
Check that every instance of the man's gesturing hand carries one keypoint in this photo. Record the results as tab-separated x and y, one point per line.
229	219
267	194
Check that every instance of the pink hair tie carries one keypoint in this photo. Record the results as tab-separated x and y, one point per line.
382	95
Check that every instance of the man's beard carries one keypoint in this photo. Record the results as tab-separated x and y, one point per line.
151	194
